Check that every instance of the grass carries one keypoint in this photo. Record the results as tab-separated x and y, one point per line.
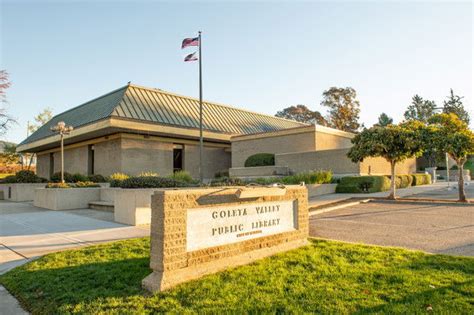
323	277
3	175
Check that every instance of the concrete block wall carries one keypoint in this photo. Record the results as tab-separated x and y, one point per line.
242	149
215	160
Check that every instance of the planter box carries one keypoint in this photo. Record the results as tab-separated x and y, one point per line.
108	194
65	198
133	206
258	171
20	192
320	189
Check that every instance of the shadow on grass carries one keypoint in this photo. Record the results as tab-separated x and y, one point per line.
45	290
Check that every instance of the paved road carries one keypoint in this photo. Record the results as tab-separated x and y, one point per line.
447	229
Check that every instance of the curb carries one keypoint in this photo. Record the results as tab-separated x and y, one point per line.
341	205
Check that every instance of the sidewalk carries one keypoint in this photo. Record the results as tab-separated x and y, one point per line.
28	232
319	201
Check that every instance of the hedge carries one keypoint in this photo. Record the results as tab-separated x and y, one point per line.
24	176
421	179
260	159
151	182
363	184
86	184
402	181
77	177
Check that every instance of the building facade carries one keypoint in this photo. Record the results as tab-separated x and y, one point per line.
136	129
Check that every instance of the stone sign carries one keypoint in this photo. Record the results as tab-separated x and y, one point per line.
208	227
195	232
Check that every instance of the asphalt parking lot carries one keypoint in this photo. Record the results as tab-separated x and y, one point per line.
434	228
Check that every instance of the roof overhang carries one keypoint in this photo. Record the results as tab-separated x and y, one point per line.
114	125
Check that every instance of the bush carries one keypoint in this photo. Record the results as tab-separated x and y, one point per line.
363	184
56	178
79	178
227	181
24	176
182	176
260	159
151	182
315	177
148	174
221	174
402	181
421	179
97	178
116	178
85	184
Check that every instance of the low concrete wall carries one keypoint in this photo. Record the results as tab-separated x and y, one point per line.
454	174
108	193
320	189
133	206
20	192
258	171
65	198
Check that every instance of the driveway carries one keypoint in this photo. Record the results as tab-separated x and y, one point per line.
435	228
27	232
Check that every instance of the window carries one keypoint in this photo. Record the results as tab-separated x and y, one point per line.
178	157
90	160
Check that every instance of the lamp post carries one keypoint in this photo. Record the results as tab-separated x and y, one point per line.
62	129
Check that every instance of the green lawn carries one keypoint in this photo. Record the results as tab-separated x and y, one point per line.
324	277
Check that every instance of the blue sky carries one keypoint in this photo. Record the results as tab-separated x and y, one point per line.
262	56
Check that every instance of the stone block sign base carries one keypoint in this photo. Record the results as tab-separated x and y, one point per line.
195	232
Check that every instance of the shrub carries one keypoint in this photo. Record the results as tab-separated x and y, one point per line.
315	177
221	174
116	178
148	174
421	179
151	182
402	181
58	185
260	159
227	181
79	178
182	176
97	178
85	184
363	184
24	176
56	178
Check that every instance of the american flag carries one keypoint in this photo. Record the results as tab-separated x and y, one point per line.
191	57
190	42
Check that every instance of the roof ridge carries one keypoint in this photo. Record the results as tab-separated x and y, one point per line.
94	99
215	103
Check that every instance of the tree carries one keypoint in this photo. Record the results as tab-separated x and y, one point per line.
452	135
344	108
420	109
5	119
454	105
41	119
302	114
384	120
395	143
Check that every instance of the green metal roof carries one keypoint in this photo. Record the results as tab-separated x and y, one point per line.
157	106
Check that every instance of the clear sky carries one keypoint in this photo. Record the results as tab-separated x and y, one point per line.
262	56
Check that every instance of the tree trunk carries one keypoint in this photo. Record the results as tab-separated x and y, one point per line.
392	184
31	160
462	194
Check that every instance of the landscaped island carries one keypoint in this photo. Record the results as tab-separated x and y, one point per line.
324	277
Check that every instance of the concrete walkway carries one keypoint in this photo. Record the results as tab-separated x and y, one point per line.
28	232
421	191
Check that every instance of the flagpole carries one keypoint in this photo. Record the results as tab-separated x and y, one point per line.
201	171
